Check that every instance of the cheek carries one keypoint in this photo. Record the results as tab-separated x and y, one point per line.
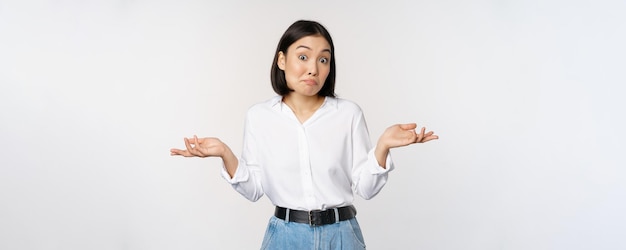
326	71
293	69
292	73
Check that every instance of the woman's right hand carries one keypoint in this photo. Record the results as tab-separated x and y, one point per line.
208	147
201	147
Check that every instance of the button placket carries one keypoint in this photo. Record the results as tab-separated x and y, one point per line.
305	167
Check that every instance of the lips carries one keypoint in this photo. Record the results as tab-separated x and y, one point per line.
310	82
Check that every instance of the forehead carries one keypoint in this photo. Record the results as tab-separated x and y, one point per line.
314	43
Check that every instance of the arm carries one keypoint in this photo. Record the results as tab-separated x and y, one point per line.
372	165
242	173
368	177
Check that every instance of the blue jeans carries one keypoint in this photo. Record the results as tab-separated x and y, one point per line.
343	235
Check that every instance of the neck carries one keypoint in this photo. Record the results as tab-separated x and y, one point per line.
299	103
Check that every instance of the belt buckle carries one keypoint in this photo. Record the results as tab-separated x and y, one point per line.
311	219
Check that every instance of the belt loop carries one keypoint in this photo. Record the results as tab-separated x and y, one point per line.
287	215
336	214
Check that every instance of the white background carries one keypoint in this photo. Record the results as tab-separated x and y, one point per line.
526	96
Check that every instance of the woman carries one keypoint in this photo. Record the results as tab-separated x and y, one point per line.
307	150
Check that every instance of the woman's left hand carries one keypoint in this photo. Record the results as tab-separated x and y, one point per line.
400	135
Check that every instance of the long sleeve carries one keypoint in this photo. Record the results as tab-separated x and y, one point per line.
368	177
247	177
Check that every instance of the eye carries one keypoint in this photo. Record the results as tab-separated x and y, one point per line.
324	60
302	57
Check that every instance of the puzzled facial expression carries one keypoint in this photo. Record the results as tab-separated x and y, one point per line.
306	64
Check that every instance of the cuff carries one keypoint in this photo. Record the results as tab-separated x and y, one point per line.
377	169
241	174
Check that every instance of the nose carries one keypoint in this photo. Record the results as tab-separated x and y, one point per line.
313	69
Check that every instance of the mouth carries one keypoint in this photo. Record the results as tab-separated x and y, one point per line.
310	82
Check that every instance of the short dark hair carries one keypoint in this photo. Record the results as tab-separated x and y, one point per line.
297	30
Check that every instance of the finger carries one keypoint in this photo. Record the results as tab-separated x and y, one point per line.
408	126
197	151
430	138
188	145
175	151
420	136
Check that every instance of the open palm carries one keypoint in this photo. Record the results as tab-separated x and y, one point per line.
404	134
200	147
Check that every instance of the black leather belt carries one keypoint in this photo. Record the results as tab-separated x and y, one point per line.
316	217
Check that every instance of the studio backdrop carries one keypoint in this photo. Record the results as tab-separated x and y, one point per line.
526	96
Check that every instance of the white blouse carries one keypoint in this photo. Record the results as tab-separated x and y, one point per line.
319	164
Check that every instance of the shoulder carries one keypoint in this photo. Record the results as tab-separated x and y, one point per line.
264	108
265	105
344	105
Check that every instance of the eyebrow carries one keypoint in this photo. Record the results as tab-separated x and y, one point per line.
304	46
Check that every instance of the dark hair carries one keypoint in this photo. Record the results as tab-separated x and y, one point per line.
298	30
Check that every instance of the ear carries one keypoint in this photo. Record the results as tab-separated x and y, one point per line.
281	60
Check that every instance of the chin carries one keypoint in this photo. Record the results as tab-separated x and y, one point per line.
309	93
